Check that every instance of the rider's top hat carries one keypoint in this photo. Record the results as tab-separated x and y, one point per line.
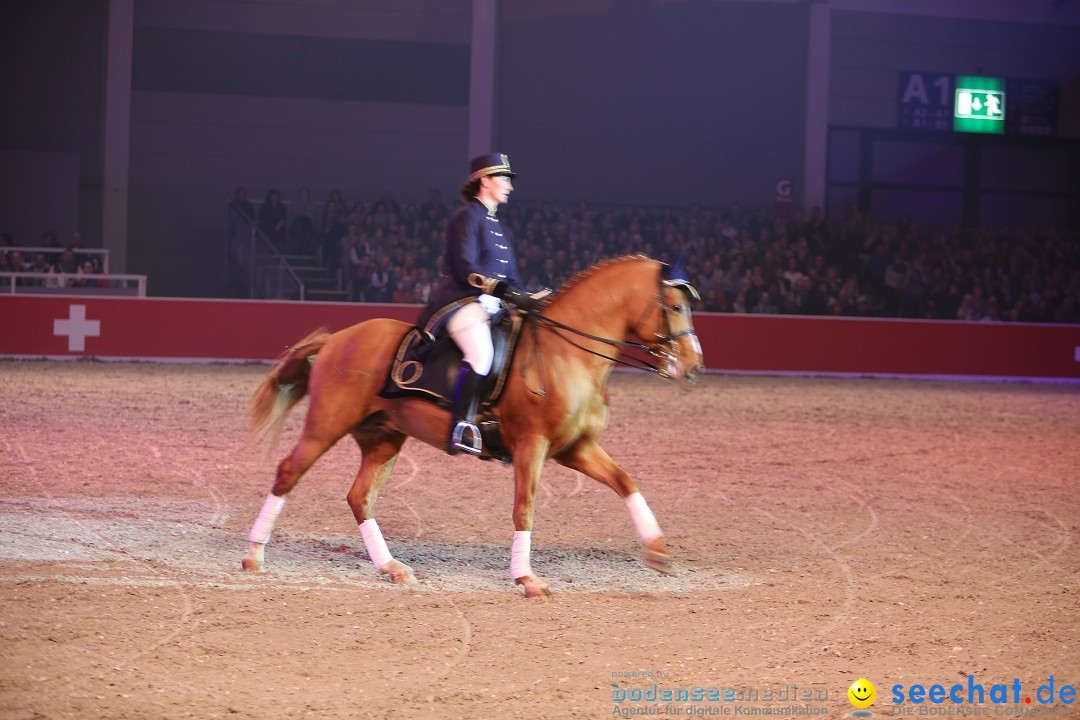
486	165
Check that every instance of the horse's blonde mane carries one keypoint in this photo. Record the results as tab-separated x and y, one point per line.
596	267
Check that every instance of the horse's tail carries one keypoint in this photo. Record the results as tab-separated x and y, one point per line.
285	385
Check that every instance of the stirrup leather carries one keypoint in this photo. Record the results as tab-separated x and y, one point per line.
457	438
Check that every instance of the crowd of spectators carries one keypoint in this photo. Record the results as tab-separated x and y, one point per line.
62	265
845	264
741	262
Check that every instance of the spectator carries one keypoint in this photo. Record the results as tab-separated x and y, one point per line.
967	310
386	206
362	271
357	214
348	250
66	267
38	265
241	214
714	301
84	277
705	278
273	219
764	305
409	221
422	288
1067	311
303	232
734	278
402	287
792	275
992	313
817	299
15	260
434	210
533	284
332	227
549	275
408	267
862	307
382	287
893	282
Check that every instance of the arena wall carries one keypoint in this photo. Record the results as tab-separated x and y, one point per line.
231	330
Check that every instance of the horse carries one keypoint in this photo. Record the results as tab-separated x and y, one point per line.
554	404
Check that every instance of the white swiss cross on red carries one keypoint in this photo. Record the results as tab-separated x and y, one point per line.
77	328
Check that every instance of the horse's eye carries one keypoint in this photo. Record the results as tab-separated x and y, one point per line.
678	308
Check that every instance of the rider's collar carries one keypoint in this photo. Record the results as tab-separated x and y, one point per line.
492	209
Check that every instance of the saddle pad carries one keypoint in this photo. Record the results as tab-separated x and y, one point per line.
427	368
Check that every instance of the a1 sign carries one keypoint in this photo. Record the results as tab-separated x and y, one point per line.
925	102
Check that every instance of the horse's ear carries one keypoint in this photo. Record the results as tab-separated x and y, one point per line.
677	270
686	287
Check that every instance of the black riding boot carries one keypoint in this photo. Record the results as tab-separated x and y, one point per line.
464	436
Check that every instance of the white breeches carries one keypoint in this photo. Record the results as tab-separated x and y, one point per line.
470	327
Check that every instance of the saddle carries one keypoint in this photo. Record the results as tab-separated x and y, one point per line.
426	367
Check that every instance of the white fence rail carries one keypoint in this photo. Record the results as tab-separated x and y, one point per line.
37	283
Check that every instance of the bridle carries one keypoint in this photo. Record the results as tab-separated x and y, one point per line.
663	350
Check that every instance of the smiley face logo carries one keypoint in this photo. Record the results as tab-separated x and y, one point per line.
862	693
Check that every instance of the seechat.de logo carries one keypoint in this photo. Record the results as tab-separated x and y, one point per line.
973	693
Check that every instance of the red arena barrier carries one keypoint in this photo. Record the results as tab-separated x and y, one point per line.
173	328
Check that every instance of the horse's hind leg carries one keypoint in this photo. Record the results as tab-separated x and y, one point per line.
295	464
590	459
380	451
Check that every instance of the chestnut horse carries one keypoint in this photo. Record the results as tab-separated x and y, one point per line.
554	403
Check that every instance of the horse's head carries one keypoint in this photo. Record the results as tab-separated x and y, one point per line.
677	347
655	307
683	358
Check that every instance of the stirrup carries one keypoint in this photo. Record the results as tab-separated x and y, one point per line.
457	438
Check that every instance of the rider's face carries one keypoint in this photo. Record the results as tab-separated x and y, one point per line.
496	189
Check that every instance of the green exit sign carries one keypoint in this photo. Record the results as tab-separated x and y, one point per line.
979	104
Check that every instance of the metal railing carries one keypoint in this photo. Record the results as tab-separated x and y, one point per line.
29	252
268	275
39	283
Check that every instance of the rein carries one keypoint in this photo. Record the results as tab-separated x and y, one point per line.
550	324
655	351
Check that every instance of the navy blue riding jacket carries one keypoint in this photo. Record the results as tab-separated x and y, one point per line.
477	241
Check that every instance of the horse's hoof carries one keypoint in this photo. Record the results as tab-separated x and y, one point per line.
399	572
251	565
657	557
534	587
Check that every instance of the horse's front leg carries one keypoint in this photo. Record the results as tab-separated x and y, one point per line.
590	459
529	457
379	455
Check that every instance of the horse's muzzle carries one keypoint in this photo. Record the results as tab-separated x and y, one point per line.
693	372
671	366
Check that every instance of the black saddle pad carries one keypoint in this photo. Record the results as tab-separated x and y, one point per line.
427	368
